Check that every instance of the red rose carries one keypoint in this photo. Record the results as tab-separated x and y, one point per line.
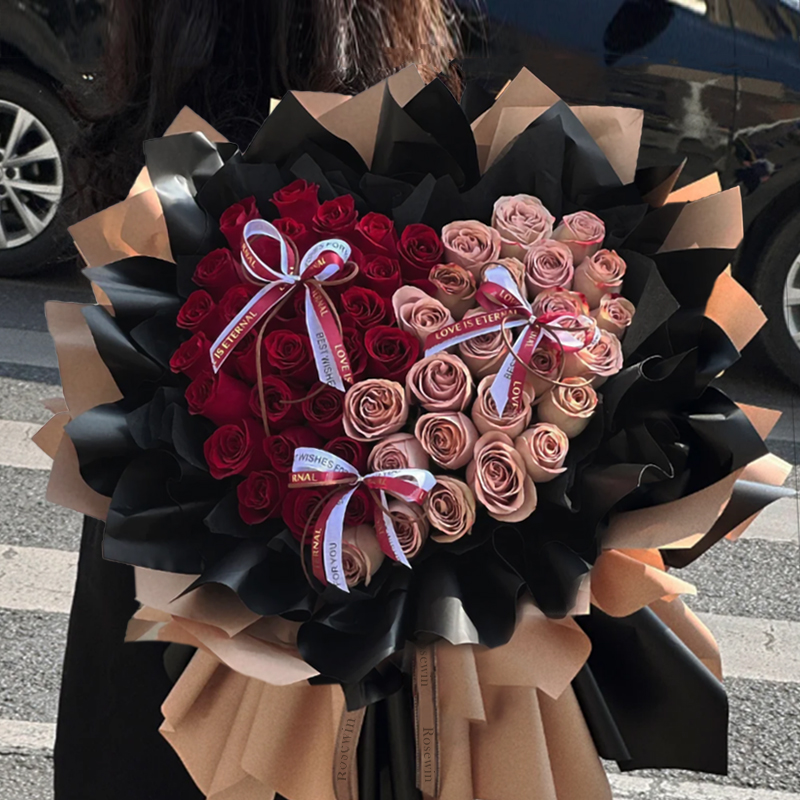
336	217
235	299
420	250
289	354
192	358
243	358
350	450
354	344
377	235
381	274
298	201
235	449
233	220
221	398
365	307
217	272
300	508
260	496
390	352
280	447
323	410
359	509
278	394
200	313
302	237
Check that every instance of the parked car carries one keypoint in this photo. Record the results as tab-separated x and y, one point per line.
718	80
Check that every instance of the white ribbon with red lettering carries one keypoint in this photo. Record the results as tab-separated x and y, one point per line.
324	261
313	467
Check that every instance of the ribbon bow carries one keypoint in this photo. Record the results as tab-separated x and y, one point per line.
313	467
323	262
504	308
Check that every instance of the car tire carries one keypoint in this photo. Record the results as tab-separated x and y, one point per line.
34	236
777	266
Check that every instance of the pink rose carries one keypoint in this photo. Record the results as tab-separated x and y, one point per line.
483	354
361	554
373	409
440	382
450	508
543	448
599	274
569	406
521	220
410	524
419	313
545	363
499	479
512	422
448	438
560	301
398	451
582	232
598	361
470	244
614	314
455	288
548	264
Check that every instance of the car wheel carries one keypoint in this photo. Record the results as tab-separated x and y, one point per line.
35	130
776	287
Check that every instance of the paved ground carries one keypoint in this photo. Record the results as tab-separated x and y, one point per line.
747	592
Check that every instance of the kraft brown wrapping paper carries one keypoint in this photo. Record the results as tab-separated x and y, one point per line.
67	488
734	310
678	523
685	624
762	419
660	195
704	187
714	222
622	583
48	437
85	379
135	226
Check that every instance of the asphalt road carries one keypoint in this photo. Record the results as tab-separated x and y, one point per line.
747	592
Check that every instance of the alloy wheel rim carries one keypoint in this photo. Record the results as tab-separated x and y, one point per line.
791	301
31	176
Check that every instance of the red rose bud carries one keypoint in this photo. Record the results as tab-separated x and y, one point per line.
350	450
381	274
300	508
336	217
200	313
298	201
217	272
390	352
235	449
376	235
235	299
281	413
323	410
359	509
365	307
302	237
192	358
420	250
233	220
289	354
243	358
354	344
260	496
280	447
221	398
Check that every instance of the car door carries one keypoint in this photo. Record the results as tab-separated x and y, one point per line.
675	59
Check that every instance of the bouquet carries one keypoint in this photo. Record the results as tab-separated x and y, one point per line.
405	418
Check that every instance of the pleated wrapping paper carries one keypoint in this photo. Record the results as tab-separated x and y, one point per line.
557	642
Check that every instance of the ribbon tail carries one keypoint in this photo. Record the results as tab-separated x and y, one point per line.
327	344
345	765
332	524
509	382
245	321
386	533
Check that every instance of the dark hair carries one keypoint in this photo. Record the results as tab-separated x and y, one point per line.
226	58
